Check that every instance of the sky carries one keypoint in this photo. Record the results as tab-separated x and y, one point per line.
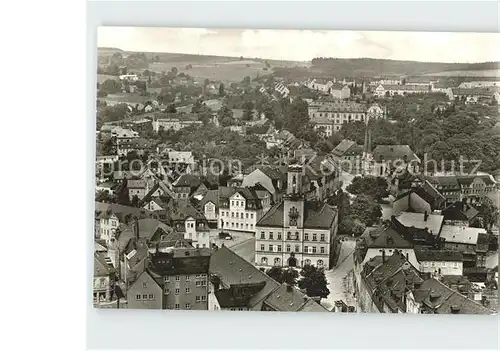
304	45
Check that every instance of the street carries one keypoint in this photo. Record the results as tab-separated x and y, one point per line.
338	283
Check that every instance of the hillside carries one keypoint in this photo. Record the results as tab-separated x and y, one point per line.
369	67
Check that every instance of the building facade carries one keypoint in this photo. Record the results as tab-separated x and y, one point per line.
293	233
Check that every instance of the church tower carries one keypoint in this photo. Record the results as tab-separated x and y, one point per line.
293	200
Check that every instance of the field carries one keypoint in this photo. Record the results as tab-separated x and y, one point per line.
113	99
468	73
230	71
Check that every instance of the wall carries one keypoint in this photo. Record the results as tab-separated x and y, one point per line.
210	212
197	285
444	267
148	296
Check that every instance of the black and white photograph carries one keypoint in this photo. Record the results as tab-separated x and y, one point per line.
296	170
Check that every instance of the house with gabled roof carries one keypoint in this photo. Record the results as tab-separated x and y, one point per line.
240	208
104	275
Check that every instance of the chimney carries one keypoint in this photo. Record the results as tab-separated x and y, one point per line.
407	256
383	256
426	215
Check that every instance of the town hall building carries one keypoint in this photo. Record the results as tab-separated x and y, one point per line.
296	232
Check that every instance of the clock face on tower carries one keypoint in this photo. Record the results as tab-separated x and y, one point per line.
293	216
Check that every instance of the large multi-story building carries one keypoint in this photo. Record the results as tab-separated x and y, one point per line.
241	208
330	115
296	232
176	278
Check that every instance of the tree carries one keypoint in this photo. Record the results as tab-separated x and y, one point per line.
221	89
288	276
135	201
171	108
109	147
122	194
314	281
225	116
351	226
375	187
111	86
341	200
365	209
489	213
246	81
297	116
104	196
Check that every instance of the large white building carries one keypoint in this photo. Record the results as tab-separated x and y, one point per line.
331	115
294	232
241	208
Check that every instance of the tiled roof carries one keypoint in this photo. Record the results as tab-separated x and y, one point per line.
136	184
190	180
288	298
438	255
417	220
385	237
440	299
487	91
459	211
393	153
180	261
467	180
234	270
210	196
343	147
322	219
101	267
124	213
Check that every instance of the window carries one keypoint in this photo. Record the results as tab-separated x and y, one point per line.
296	248
251	215
271	236
322	238
314	237
198	298
137	297
144	285
232	214
144	296
262	248
288	248
307	262
187	278
263	260
306	237
246	215
322	249
203	275
167	291
232	203
289	236
203	283
151	297
188	290
296	235
314	249
270	247
198	283
279	248
279	236
306	248
319	263
177	306
177	278
177	291
203	298
241	215
277	261
455	264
